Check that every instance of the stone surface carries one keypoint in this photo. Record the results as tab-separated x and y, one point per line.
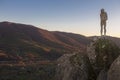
74	67
102	75
91	52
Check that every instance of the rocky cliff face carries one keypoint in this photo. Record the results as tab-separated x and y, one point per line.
92	64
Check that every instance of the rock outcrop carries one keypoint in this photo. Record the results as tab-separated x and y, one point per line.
92	64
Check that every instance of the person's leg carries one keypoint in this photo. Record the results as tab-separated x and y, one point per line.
101	28
104	27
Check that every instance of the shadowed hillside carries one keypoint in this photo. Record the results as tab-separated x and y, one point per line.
20	41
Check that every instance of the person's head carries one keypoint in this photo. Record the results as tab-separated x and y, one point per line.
102	10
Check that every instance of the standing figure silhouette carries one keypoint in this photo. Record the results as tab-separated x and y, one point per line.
104	18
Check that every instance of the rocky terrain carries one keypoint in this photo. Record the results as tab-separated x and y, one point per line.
97	63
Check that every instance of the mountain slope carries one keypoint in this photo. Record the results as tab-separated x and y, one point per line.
20	41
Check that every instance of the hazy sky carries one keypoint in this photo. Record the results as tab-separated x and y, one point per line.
76	16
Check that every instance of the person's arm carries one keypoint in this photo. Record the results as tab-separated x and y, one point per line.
100	16
106	17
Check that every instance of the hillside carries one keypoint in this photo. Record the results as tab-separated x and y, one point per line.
21	41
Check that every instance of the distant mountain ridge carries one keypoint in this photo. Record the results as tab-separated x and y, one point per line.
21	41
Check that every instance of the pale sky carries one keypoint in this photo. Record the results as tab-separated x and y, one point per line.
76	16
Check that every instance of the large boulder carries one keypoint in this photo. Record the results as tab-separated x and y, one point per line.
74	67
114	71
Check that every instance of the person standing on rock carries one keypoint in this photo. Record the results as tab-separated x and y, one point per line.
103	17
